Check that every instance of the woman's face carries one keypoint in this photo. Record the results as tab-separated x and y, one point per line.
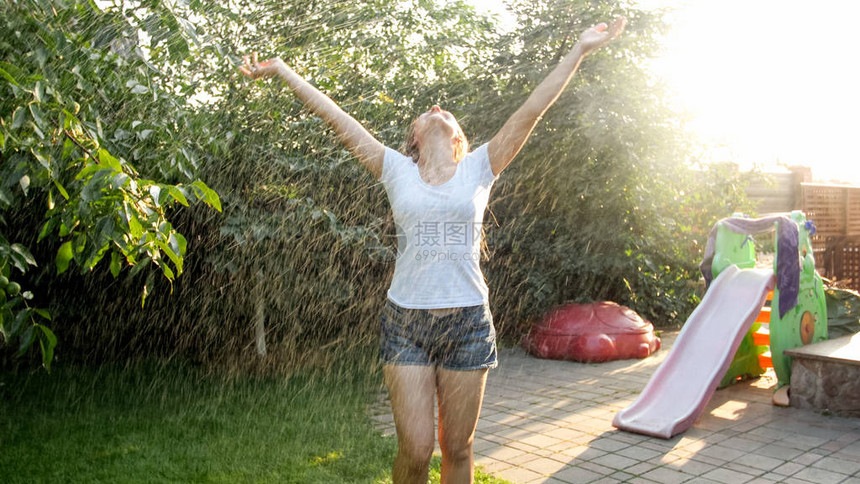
436	120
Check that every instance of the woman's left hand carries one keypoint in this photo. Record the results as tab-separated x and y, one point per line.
257	70
601	34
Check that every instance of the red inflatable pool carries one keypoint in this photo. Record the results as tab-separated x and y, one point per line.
600	331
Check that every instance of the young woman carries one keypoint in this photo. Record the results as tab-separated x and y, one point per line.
437	336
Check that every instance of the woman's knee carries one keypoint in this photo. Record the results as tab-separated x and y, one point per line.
456	449
418	452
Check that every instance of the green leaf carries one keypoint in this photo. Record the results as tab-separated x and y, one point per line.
48	341
27	338
18	324
155	192
147	288
178	243
177	194
43	160
208	195
168	272
47	228
19	117
62	190
36	111
139	266
90	169
64	256
24	183
106	159
8	77
25	253
43	313
115	263
177	260
134	226
119	180
6	197
95	255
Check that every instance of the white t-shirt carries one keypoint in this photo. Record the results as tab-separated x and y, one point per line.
438	232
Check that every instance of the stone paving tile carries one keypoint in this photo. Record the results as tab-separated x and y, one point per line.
667	475
492	466
788	469
615	461
596	468
550	422
607	480
719	452
608	444
759	462
727	476
621	476
744	468
813	474
741	443
503	452
521	459
583	452
540	440
518	474
692	467
778	451
546	480
576	475
544	466
480	446
837	465
639	453
807	459
852	449
846	456
563	433
641	468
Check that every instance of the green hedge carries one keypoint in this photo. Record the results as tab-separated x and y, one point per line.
135	108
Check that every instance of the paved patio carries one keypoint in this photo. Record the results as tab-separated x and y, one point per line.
547	421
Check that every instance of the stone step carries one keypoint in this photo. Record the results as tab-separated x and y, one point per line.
845	350
825	376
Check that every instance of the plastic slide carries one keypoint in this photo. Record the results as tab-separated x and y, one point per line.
680	389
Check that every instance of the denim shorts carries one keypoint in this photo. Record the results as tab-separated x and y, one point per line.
462	340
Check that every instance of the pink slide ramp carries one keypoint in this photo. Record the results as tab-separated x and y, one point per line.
680	389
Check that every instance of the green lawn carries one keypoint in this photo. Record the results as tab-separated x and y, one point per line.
153	423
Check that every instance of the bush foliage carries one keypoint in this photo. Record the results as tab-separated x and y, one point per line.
114	114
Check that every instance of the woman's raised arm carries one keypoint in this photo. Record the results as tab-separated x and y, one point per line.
357	139
510	139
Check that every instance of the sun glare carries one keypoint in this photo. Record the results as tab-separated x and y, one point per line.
768	82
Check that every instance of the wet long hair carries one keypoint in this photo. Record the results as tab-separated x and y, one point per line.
409	147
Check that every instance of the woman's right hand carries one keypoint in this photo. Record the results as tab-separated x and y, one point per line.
600	35
259	70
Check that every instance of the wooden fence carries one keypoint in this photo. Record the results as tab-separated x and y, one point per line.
835	210
776	193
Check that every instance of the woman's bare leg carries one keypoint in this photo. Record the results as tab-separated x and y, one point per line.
460	397
412	389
